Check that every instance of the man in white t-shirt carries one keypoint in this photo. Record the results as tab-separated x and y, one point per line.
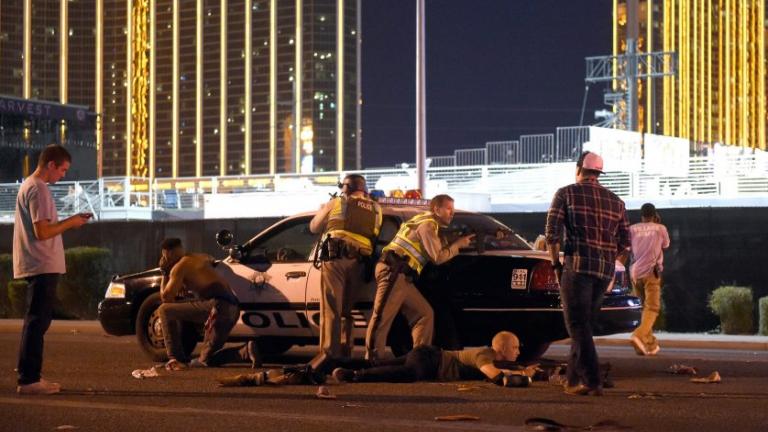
38	257
649	238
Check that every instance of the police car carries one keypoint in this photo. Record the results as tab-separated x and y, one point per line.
498	283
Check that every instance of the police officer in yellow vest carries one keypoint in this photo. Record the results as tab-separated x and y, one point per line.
350	223
415	244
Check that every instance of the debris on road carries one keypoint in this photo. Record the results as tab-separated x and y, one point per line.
324	393
351	405
644	395
145	373
545	424
467	387
681	369
243	380
712	378
457	417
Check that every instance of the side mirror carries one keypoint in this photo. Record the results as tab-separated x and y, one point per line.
224	238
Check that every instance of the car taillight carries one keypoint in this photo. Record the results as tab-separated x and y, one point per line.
543	277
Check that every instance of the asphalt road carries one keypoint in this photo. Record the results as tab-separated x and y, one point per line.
101	395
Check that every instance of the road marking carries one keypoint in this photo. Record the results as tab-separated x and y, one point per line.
328	419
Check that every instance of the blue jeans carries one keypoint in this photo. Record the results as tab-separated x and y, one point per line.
582	296
41	295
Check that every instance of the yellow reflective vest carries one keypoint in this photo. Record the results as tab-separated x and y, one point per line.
356	220
413	249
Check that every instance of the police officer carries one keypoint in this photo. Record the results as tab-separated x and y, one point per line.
350	223
415	244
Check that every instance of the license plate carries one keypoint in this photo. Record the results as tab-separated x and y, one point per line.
519	278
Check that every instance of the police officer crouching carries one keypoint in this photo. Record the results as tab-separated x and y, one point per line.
350	223
416	244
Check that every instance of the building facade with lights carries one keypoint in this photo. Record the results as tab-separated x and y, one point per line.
199	87
719	93
47	92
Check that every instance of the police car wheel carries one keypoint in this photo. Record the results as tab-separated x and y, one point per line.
149	331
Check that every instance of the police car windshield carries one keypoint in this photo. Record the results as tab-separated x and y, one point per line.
490	234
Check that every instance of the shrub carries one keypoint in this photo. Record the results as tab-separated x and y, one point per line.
763	306
733	305
17	298
82	287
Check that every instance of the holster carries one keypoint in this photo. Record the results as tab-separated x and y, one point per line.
397	264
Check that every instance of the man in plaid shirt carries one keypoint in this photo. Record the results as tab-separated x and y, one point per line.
596	234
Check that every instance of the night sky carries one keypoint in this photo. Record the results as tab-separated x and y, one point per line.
496	69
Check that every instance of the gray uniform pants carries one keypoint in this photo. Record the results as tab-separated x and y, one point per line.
391	299
340	277
173	315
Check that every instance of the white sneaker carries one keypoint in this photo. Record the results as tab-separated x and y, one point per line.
41	387
174	365
197	363
638	345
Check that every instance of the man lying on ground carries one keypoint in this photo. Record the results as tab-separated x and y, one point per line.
430	363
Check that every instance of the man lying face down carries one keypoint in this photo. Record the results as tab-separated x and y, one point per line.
430	363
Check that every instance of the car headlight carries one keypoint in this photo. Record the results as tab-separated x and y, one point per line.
115	290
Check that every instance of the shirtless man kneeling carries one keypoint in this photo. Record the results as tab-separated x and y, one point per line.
213	303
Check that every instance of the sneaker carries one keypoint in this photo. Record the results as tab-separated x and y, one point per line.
655	350
175	365
343	375
41	387
638	345
197	363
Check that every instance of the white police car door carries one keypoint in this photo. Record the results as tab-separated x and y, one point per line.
273	301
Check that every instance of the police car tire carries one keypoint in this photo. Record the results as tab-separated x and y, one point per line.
148	326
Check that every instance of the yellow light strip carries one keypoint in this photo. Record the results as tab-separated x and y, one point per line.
27	49
340	85
273	86
693	101
175	92
152	86
199	91
99	103
127	99
649	48
297	82
708	45
720	75
248	90
727	73
223	91
743	75
63	50
761	99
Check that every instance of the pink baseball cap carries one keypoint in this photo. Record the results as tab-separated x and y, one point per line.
592	161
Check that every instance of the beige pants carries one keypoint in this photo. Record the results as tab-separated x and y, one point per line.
338	283
391	299
648	288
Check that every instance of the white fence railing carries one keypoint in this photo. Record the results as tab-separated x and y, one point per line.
137	198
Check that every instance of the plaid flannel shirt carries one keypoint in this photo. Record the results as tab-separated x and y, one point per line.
596	227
